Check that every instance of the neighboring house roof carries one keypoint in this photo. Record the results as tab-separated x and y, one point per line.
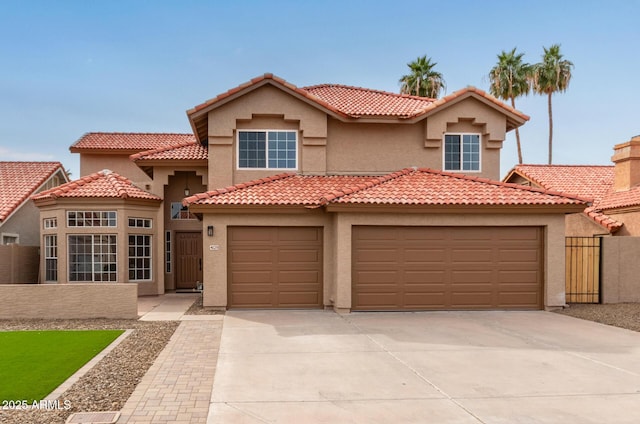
349	102
128	142
104	184
589	181
19	180
425	187
186	151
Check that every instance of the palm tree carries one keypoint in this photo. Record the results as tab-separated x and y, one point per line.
510	78
551	76
423	81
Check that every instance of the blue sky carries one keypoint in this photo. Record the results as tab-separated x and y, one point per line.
70	67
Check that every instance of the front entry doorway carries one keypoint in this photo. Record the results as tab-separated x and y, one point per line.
188	259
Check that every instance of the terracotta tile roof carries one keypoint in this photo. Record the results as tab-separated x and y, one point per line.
588	181
405	187
604	220
103	184
431	187
619	199
281	190
185	151
130	141
356	101
19	180
353	102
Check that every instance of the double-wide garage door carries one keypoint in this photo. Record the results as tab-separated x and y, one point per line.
423	268
274	267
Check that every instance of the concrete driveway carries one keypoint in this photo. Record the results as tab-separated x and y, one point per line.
432	367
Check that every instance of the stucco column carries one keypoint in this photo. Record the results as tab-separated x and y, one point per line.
555	260
343	264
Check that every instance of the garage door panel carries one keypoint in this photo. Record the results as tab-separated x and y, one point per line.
448	268
294	256
422	277
424	256
275	267
298	277
378	255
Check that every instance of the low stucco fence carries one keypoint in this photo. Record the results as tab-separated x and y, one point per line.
620	274
69	301
19	264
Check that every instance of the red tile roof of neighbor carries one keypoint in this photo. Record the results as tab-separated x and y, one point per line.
19	180
356	102
185	151
405	187
589	181
102	184
130	141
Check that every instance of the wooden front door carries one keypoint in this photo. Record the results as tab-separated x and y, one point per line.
188	259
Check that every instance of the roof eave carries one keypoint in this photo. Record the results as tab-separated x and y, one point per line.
458	209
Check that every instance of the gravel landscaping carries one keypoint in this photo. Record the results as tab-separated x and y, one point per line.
624	315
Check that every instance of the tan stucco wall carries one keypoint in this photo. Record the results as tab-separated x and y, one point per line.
264	108
329	145
631	222
123	211
24	222
620	270
69	301
580	225
120	164
337	245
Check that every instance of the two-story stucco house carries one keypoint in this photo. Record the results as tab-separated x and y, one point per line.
322	196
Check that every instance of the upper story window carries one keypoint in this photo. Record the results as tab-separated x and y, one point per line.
139	222
50	223
91	218
462	152
267	149
178	211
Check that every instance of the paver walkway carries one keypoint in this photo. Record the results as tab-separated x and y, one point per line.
177	387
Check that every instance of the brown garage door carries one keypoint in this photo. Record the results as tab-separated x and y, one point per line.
423	268
275	267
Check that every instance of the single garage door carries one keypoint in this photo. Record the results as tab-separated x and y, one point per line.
274	267
426	268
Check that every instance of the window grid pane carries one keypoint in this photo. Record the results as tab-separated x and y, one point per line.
139	257
452	152
252	149
91	219
51	257
92	257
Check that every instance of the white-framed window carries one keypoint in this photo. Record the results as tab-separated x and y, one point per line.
9	238
139	257
92	257
91	218
51	257
462	152
140	222
180	212
267	149
50	223
167	252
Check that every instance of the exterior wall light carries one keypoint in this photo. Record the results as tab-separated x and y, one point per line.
210	230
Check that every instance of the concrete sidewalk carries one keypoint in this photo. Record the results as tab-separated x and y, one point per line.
177	387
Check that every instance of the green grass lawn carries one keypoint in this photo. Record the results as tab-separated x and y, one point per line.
34	363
